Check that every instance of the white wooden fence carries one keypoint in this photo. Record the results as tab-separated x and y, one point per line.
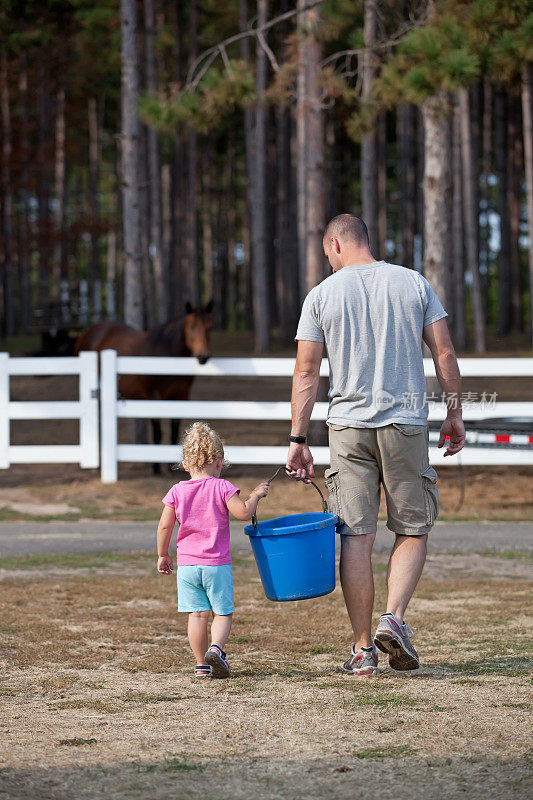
85	453
113	409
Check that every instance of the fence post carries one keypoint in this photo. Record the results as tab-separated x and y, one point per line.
108	416
89	409
4	410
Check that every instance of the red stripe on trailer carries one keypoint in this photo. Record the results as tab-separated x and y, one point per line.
530	439
504	438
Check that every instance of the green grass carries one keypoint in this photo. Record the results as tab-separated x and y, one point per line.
76	560
393	751
318	649
511	555
95	705
151	698
77	742
383	700
84	512
181	763
507	667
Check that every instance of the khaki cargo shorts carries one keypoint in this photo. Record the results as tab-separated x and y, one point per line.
394	455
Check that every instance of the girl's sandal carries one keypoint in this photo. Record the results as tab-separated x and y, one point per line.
216	658
202	671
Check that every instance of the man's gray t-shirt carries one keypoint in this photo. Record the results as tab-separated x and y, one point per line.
371	318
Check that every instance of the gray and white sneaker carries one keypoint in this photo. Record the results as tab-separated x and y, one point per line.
393	637
362	662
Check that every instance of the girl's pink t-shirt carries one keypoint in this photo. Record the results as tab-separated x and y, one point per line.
200	508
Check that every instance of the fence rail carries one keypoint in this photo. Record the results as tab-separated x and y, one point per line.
85	409
102	434
112	409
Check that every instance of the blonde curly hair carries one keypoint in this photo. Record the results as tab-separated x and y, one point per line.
201	445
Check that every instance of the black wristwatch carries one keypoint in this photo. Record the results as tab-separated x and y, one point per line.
297	439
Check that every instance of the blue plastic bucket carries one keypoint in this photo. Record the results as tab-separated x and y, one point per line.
295	555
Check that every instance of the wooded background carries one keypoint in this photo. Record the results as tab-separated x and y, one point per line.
156	152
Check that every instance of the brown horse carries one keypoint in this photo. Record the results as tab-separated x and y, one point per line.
184	336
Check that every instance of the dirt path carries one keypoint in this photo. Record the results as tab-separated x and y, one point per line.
97	699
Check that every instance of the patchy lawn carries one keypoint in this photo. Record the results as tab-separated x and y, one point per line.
97	698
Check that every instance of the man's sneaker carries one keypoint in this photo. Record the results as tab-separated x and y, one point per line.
362	662
393	637
216	658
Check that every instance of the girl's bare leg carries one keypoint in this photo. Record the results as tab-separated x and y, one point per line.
220	629
197	633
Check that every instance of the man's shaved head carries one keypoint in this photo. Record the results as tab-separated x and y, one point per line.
347	228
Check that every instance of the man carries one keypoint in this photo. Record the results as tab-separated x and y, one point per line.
372	317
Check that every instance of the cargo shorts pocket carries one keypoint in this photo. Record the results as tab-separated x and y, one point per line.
331	479
409	430
431	494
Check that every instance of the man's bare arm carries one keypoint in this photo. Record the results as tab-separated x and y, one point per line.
304	391
305	385
437	338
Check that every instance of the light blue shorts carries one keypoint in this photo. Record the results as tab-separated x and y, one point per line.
205	588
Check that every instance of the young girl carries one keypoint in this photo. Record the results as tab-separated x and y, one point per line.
204	575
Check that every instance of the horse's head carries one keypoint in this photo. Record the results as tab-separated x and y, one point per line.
197	331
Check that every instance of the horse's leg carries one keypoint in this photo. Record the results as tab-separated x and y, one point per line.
156	430
174	430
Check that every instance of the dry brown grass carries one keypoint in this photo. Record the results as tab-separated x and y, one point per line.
497	493
97	697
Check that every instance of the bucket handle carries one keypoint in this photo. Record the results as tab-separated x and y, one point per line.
324	501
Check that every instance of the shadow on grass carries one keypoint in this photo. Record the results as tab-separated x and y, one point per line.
508	667
184	775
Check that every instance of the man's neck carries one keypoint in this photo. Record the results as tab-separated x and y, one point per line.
356	258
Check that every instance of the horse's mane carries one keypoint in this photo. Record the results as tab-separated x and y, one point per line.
164	335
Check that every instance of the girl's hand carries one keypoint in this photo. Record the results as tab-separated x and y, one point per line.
165	565
261	490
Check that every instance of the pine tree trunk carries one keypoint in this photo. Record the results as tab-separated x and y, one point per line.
381	143
369	155
131	155
484	195
191	244
527	122
458	302
407	182
167	224
471	222
24	245
6	245
250	171
514	201
316	185
437	193
230	211
287	249
207	228
259	198
301	148
157	248
500	148
94	169
146	215
43	181
59	172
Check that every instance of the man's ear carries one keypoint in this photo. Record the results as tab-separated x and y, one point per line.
188	308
